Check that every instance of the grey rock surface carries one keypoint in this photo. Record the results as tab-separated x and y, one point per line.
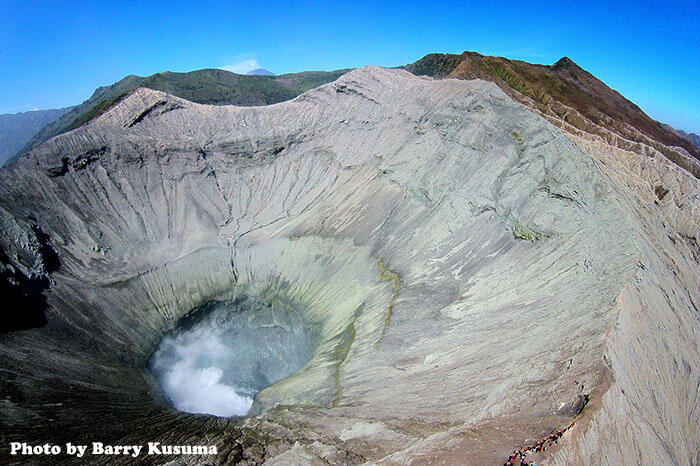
473	272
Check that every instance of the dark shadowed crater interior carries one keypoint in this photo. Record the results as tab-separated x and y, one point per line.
221	355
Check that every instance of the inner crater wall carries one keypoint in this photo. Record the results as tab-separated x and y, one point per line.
463	260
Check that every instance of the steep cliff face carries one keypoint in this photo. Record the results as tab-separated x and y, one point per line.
475	276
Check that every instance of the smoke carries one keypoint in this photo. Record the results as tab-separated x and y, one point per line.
191	367
217	362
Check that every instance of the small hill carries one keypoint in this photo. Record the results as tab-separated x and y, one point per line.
208	86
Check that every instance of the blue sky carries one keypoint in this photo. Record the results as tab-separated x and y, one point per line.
55	53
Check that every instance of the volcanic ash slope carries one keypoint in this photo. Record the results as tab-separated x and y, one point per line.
474	277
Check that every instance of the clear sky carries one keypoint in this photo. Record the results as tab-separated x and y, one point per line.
55	53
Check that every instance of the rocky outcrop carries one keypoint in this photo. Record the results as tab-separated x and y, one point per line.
473	272
25	275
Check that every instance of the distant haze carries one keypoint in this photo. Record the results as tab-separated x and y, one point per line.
18	128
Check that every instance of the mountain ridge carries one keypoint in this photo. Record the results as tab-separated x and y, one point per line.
207	86
567	92
563	92
692	137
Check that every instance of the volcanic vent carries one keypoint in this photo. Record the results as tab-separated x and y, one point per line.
227	352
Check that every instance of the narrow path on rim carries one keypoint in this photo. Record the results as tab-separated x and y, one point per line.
518	456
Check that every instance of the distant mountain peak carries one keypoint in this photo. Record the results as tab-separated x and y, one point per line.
692	137
261	72
565	63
